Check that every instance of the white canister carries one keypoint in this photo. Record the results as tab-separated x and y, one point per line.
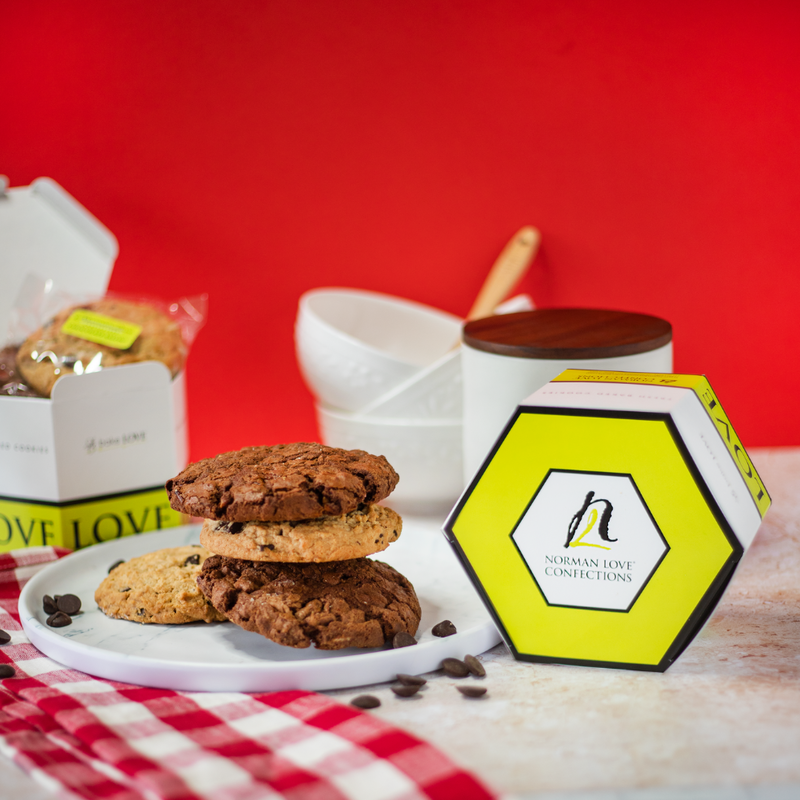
507	357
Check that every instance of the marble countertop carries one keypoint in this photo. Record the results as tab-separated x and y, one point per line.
726	714
723	723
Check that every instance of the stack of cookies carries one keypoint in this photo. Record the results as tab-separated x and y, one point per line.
290	527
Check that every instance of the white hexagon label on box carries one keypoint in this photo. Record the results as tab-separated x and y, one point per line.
589	540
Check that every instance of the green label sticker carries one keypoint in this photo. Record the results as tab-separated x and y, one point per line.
101	329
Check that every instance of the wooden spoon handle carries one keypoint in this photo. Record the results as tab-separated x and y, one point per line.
510	266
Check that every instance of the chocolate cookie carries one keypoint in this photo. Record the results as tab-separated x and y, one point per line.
49	353
10	382
360	533
8	364
158	587
333	605
282	482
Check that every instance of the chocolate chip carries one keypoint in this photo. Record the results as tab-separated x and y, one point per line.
232	527
365	701
405	690
411	680
49	605
475	666
141	612
126	589
444	628
472	691
115	565
5	637
59	620
403	639
192	559
7	671
69	604
455	668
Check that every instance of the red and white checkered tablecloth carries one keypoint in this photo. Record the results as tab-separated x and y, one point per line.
90	738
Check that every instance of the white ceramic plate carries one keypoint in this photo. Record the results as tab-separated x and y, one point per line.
224	657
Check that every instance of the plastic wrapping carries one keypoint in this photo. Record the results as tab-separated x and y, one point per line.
57	334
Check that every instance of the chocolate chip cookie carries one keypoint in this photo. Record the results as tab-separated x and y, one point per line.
333	605
158	587
281	482
367	530
50	353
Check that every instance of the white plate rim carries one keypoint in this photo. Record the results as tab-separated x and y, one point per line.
330	673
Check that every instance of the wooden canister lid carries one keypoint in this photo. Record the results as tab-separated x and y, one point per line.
568	333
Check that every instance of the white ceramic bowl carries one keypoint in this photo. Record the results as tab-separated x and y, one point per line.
426	454
355	346
432	393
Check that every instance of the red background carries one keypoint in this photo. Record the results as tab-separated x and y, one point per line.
255	149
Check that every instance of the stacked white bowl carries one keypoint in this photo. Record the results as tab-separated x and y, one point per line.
386	376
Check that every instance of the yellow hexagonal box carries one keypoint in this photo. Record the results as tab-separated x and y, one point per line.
607	521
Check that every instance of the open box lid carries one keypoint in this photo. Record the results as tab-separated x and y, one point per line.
47	233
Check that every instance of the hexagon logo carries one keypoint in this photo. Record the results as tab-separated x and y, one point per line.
589	540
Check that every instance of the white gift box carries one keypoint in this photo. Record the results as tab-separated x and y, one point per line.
89	463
